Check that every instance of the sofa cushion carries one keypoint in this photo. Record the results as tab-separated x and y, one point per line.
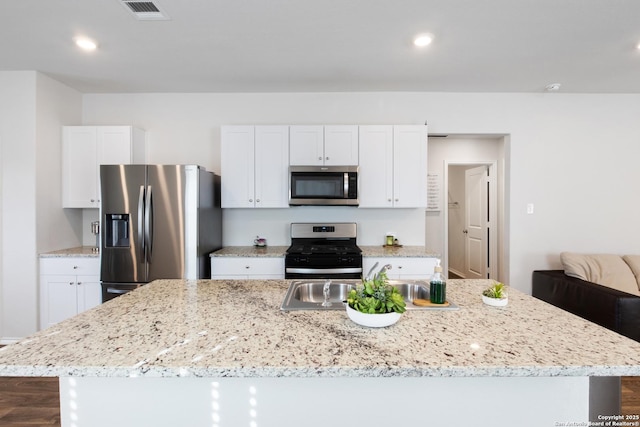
633	261
604	269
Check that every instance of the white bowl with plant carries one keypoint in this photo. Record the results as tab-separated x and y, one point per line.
495	295
375	303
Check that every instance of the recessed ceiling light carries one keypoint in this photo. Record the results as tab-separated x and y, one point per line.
86	44
422	40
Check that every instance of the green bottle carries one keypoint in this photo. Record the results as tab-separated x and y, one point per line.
438	286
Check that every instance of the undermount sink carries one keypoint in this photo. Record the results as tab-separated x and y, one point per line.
310	294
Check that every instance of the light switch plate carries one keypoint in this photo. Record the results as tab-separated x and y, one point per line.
530	208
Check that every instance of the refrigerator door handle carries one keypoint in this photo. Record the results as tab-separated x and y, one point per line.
148	219
141	216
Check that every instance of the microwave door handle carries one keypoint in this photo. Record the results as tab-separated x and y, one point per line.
141	215
346	185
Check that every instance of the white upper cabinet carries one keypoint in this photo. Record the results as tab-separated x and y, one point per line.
376	167
393	166
84	149
306	145
254	166
324	145
410	166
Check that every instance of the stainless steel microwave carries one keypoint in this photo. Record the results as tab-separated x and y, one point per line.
323	185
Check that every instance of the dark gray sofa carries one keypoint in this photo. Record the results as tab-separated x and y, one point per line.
611	308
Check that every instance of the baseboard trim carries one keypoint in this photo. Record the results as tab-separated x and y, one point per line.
456	272
7	341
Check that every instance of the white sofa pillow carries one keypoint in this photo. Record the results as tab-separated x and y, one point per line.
603	269
633	261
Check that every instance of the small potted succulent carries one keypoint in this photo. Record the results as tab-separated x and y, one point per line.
495	295
375	303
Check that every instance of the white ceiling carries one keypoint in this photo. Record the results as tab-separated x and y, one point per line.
589	46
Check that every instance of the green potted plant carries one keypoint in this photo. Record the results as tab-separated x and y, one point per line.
374	302
495	295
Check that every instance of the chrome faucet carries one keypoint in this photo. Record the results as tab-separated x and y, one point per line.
325	293
375	276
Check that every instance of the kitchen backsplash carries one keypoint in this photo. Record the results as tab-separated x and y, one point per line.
241	226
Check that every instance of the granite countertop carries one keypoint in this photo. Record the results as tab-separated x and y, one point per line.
367	251
174	328
251	251
398	251
81	251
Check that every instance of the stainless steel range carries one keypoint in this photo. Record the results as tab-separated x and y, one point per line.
323	251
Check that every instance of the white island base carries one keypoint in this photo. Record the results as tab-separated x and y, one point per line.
283	402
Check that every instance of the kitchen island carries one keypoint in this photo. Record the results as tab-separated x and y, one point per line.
221	353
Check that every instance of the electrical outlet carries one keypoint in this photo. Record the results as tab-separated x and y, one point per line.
530	208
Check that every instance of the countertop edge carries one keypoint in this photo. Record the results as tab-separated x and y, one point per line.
368	251
306	372
76	252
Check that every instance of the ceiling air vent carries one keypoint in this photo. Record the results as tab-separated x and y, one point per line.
145	10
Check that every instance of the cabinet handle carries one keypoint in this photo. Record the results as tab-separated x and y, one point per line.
326	158
71	283
79	283
250	200
388	200
396	200
75	267
257	200
92	200
399	267
319	158
247	267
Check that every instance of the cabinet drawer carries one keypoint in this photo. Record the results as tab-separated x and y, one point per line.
231	266
70	266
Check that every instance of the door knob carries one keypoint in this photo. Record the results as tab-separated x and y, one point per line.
465	231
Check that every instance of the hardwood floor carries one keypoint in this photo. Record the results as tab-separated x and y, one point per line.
630	396
29	402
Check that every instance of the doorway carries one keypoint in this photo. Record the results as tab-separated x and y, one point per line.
470	218
465	151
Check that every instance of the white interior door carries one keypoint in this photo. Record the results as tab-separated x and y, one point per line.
476	223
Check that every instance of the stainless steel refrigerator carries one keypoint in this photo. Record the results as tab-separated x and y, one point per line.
158	222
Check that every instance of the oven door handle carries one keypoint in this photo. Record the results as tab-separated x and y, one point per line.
322	270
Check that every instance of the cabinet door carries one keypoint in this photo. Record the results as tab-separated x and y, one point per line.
89	292
419	268
271	166
114	145
58	299
376	167
247	267
79	168
341	145
410	166
237	166
415	268
306	145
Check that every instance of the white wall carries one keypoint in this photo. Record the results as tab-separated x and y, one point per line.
57	105
17	125
565	153
30	133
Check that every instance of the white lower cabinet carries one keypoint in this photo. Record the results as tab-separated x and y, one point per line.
68	286
402	267
247	268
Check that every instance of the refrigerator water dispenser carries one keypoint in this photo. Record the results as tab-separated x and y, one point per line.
117	231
